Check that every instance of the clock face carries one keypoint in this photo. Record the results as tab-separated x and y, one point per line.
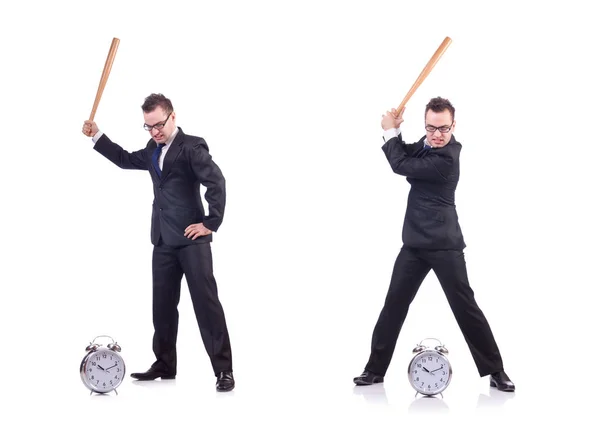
429	372
102	370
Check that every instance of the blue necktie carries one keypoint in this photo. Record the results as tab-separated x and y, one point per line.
423	151
156	156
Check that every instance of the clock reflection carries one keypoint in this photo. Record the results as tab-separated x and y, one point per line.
428	404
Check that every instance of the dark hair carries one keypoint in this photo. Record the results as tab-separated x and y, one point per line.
157	100
439	105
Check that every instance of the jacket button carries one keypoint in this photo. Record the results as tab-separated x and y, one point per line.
161	208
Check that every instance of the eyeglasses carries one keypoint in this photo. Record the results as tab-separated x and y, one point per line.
443	129
159	125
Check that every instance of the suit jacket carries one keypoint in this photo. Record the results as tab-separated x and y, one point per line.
431	220
177	202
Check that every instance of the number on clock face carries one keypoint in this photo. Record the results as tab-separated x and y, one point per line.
429	373
104	370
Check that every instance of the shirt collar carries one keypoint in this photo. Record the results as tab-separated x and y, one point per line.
171	138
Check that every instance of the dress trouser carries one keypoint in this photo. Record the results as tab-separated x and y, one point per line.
410	269
168	267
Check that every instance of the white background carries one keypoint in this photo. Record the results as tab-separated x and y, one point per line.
289	96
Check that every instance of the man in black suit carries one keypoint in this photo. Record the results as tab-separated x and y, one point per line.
432	239
181	233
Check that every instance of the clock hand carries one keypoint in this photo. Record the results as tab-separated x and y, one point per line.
426	370
433	371
100	367
111	366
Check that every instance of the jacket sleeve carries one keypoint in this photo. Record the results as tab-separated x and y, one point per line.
209	174
121	158
434	166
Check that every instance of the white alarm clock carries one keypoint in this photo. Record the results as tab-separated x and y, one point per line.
102	368
429	371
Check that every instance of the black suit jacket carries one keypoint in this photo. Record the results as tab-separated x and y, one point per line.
431	220
177	201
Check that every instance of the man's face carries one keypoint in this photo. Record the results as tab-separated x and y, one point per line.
160	123
443	121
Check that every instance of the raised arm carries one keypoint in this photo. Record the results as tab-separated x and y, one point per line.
137	160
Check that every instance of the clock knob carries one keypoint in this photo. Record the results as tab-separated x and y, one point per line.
441	349
114	346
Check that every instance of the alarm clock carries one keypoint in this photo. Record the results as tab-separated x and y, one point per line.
102	368
429	371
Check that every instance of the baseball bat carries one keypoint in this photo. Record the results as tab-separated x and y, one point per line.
105	73
426	70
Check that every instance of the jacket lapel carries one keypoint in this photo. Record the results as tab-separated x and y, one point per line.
172	154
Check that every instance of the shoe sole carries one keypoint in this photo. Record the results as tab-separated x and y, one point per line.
158	377
363	383
494	385
225	390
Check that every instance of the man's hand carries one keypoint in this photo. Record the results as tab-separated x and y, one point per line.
392	119
89	128
194	231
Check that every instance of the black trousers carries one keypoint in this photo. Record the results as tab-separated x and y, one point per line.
411	267
168	267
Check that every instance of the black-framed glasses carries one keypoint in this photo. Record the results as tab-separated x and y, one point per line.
443	129
159	125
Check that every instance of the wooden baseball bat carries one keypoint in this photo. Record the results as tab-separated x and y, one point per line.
105	73
426	70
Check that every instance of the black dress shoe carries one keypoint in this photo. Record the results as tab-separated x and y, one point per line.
368	378
225	381
153	373
501	381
